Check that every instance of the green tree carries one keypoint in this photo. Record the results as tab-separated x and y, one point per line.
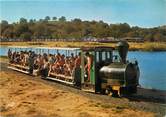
20	29
25	36
62	19
4	22
158	37
149	37
47	18
8	33
3	26
54	18
23	20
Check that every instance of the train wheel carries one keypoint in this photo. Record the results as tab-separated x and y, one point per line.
107	91
115	93
103	91
133	89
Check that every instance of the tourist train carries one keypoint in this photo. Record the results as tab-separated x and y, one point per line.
92	69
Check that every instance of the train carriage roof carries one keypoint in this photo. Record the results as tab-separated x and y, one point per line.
19	47
58	48
54	48
99	48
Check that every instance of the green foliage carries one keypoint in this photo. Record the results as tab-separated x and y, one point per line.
23	21
54	18
26	36
47	18
62	19
60	28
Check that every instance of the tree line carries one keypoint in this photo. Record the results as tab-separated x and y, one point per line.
60	28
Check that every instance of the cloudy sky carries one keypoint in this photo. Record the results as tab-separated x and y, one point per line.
143	13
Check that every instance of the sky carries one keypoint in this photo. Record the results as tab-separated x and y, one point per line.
142	13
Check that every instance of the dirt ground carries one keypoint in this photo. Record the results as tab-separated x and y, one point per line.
21	96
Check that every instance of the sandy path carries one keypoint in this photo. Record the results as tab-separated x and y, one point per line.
22	96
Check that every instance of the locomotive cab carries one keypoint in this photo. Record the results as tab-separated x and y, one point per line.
100	56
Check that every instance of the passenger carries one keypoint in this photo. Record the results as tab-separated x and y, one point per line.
17	58
45	56
61	63
51	59
67	67
13	57
72	61
72	57
51	62
36	62
55	67
45	69
31	62
78	61
22	58
116	59
10	55
26	58
88	64
77	70
58	56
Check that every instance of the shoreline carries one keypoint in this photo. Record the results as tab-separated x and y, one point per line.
147	46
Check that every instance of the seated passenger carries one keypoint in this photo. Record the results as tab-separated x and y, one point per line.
61	63
55	66
13	57
17	58
26	58
51	62
22	58
72	57
45	68
9	55
67	67
31	62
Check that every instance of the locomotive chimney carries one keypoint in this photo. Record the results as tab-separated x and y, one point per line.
123	49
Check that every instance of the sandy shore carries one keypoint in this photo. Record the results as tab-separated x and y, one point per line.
21	96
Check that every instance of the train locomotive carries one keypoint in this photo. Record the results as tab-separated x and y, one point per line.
107	73
120	77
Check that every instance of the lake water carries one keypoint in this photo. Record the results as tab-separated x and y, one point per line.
152	68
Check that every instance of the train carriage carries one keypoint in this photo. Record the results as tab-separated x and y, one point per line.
99	71
16	65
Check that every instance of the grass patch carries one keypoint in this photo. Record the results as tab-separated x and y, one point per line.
107	106
31	110
155	47
119	109
97	104
3	109
148	46
36	43
3	58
